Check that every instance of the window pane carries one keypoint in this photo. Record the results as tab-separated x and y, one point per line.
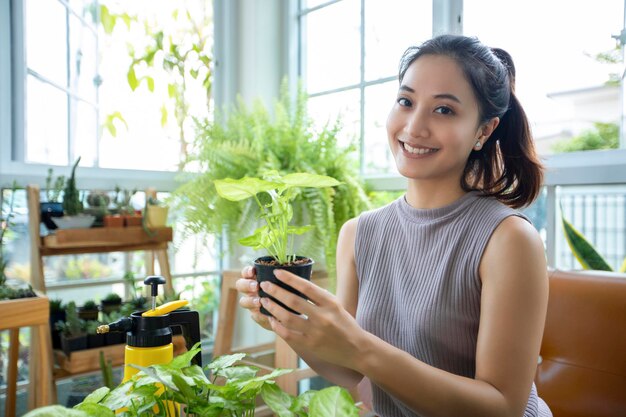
46	49
554	58
84	131
46	123
378	102
83	47
346	105
386	39
332	46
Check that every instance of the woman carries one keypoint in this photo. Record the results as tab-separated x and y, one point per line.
442	294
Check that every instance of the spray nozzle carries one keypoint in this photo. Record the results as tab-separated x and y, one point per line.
154	281
122	325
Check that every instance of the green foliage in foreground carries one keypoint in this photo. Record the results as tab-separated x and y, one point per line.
231	390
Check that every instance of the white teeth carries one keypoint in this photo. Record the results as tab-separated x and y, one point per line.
418	151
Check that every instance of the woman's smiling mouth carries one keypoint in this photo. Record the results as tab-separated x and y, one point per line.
415	151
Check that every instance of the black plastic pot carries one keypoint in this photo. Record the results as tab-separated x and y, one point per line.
266	273
73	344
95	340
56	335
48	211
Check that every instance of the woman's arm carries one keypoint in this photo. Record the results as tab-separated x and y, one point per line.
513	307
347	297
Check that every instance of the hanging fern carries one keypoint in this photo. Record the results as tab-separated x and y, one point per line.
251	142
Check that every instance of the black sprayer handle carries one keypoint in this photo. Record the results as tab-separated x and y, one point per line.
154	281
189	321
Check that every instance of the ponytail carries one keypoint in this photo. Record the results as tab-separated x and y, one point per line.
507	167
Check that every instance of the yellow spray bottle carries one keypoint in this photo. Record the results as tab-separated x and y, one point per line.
149	333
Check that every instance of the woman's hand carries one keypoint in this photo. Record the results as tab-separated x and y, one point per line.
324	328
248	286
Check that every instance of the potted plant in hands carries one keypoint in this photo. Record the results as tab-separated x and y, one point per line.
274	236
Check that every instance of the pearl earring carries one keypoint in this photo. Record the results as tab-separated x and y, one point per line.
478	145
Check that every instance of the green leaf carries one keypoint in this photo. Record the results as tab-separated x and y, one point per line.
184	359
333	402
302	401
301	179
56	411
150	82
97	395
583	251
294	230
225	361
163	115
237	190
132	78
239	372
279	401
95	410
171	90
107	20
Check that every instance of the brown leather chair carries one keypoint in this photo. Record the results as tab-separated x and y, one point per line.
583	352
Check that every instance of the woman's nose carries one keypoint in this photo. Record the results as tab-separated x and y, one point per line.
417	125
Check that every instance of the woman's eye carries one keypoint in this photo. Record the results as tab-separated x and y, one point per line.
404	102
444	110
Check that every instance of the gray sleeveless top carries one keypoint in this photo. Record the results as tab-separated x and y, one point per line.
419	287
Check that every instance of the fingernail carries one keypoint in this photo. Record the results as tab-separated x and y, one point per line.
265	285
256	301
253	285
264	301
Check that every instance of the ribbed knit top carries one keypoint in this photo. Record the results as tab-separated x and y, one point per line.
419	287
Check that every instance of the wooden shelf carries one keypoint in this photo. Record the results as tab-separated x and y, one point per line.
105	239
24	312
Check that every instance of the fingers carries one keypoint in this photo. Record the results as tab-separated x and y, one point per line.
248	272
314	293
247	286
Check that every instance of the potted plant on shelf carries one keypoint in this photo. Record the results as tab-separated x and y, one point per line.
88	311
274	195
155	213
229	390
98	205
74	217
57	314
73	336
112	302
52	207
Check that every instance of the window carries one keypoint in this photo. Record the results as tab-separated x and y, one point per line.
350	55
74	94
60	81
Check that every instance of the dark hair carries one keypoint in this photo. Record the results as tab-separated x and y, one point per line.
507	166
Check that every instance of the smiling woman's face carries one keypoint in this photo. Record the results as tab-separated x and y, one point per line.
434	123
